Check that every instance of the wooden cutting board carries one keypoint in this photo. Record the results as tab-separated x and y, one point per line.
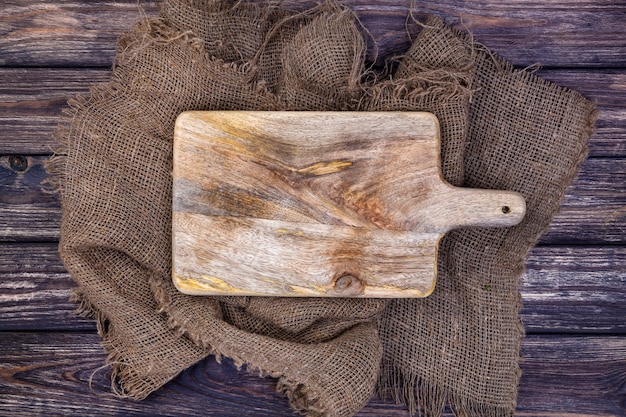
316	204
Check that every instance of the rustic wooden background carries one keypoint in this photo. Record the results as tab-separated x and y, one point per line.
574	290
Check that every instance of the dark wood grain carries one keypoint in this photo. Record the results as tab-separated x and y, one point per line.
578	289
556	365
35	290
565	289
64	33
31	101
594	209
606	88
26	211
610	133
555	33
49	374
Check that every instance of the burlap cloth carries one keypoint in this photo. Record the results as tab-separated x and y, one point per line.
501	128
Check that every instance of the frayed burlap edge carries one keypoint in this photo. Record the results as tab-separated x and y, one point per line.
303	398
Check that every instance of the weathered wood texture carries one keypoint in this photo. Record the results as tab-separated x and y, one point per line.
594	209
57	374
64	33
26	211
554	33
32	99
35	290
577	287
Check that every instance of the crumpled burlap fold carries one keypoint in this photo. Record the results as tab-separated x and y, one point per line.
501	128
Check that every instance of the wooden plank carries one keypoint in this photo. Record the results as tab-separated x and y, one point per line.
26	212
556	33
604	87
558	372
553	34
31	100
35	290
578	289
594	208
64	33
593	212
609	138
50	374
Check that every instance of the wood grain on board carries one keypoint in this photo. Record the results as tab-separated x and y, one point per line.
317	204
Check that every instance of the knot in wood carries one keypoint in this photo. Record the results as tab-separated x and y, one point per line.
18	163
348	285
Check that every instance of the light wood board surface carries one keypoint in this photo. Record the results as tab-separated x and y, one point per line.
317	203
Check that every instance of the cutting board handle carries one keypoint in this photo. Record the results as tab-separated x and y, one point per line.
455	207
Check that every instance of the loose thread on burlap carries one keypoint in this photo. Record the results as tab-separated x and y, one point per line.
533	68
87	309
408	17
364	28
115	390
466	36
159	34
276	26
411	16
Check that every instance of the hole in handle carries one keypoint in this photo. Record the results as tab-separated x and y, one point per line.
506	209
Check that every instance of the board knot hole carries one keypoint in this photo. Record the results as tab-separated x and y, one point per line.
348	285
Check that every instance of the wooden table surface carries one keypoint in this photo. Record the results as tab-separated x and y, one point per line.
574	289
